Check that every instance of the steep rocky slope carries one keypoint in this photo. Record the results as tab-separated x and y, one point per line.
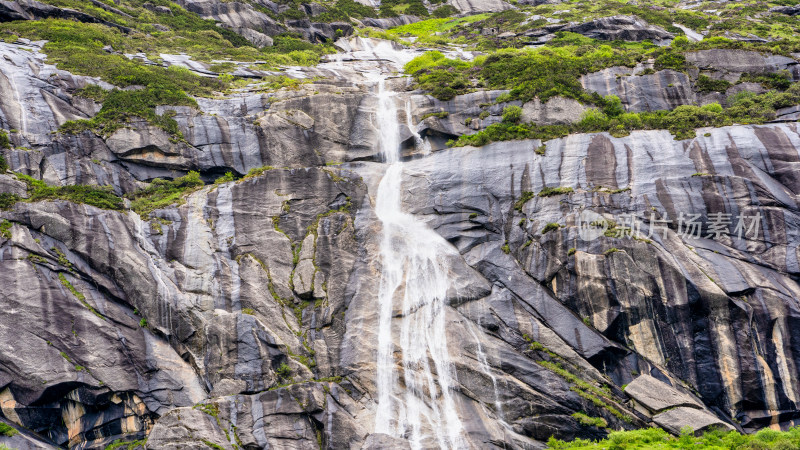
252	312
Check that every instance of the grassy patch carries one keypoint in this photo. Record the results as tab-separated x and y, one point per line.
550	227
6	430
590	421
5	229
163	193
78	295
119	444
552	191
656	438
98	196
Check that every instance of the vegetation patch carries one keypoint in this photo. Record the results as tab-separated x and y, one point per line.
5	229
78	295
98	196
162	193
656	438
590	421
7	430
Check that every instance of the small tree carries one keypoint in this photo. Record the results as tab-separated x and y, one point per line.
512	114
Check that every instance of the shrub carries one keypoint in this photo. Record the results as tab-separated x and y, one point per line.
512	114
162	193
550	227
444	11
5	229
7	430
7	201
284	372
707	84
98	196
5	142
590	421
550	191
228	177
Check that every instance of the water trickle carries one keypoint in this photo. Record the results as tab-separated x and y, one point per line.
415	271
486	368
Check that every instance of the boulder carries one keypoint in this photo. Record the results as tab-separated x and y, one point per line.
656	396
557	110
675	420
788	10
663	90
479	6
390	22
729	64
620	28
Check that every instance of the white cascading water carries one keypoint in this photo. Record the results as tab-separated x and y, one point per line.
415	271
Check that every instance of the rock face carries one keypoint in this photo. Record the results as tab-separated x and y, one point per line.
246	315
476	6
620	28
730	64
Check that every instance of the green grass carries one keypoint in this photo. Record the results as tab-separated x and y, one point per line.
284	372
590	421
5	229
656	438
6	430
125	445
552	191
78	295
163	193
550	227
98	196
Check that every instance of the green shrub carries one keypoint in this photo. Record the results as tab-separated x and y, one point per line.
590	421
162	193
707	84
444	11
3	164
7	201
7	430
284	372
512	114
552	191
98	196
550	227
5	229
524	198
5	142
228	177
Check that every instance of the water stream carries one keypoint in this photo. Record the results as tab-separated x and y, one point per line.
415	399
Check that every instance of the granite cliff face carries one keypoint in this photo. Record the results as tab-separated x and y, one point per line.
249	316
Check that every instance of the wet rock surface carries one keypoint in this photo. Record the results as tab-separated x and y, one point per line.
247	314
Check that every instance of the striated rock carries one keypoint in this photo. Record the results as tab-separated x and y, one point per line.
321	31
620	28
257	38
730	64
236	15
666	89
656	396
475	6
390	22
699	421
557	110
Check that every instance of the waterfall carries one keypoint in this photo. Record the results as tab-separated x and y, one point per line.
415	272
